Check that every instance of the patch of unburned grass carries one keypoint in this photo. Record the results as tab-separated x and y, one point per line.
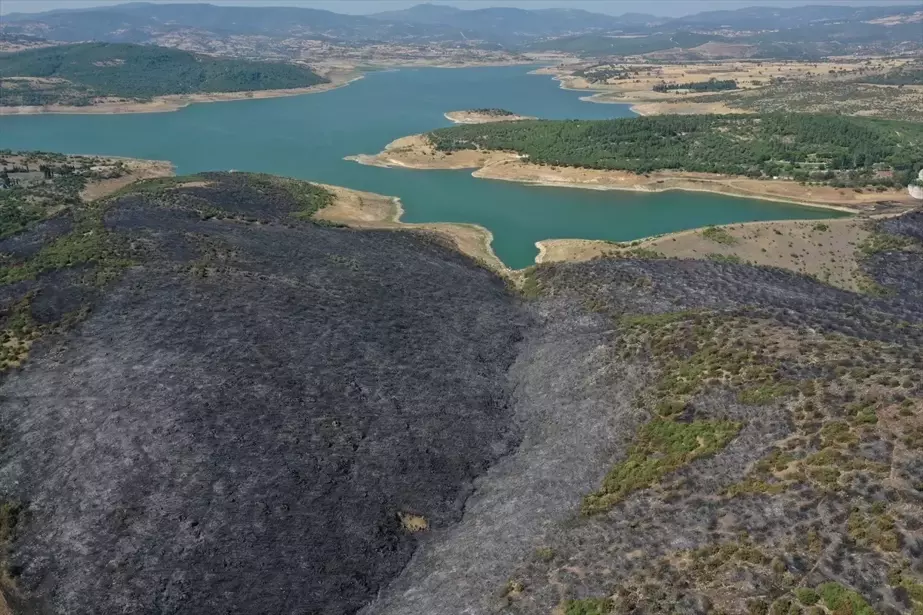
843	601
589	606
645	321
873	528
807	596
732	259
765	394
646	253
867	286
660	447
883	242
899	576
531	288
719	235
87	245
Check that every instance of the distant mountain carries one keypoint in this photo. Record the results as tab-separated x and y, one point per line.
141	22
603	45
506	24
768	18
795	30
422	13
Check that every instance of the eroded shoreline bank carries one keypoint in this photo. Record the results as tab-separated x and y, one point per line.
175	102
416	152
369	210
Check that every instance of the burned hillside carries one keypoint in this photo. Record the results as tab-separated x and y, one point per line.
228	409
701	437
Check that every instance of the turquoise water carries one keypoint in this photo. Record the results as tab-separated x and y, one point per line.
308	136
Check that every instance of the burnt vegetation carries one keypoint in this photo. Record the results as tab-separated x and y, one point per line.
232	408
777	469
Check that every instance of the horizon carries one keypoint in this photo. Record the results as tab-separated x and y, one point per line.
660	8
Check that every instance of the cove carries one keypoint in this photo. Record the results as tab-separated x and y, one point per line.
308	136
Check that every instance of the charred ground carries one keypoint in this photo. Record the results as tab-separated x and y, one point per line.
250	406
214	405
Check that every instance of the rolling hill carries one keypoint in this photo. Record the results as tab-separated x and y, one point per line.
67	74
801	32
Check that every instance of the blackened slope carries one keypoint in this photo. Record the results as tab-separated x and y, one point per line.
240	421
791	360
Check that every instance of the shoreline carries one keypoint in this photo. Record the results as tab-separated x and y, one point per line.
415	152
175	102
643	107
471	117
740	194
368	210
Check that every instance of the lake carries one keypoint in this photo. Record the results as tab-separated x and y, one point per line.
308	136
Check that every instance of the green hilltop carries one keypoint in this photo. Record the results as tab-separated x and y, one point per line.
75	74
838	150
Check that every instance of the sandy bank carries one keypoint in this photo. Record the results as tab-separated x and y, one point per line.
416	152
473	117
162	104
367	210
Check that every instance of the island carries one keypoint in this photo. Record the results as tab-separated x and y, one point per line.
833	161
123	78
484	116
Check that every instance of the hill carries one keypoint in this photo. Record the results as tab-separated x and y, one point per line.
140	22
212	404
845	151
791	32
607	45
75	74
286	454
506	25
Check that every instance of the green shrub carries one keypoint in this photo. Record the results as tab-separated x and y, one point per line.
718	235
589	606
806	596
842	601
724	258
661	446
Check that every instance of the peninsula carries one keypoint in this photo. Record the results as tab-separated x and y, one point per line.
842	162
126	78
484	116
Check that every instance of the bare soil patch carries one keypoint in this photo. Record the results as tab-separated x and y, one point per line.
823	249
473	117
137	170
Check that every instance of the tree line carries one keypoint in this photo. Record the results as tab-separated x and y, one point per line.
838	150
712	85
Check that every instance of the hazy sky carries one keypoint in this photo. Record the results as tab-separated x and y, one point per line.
616	7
